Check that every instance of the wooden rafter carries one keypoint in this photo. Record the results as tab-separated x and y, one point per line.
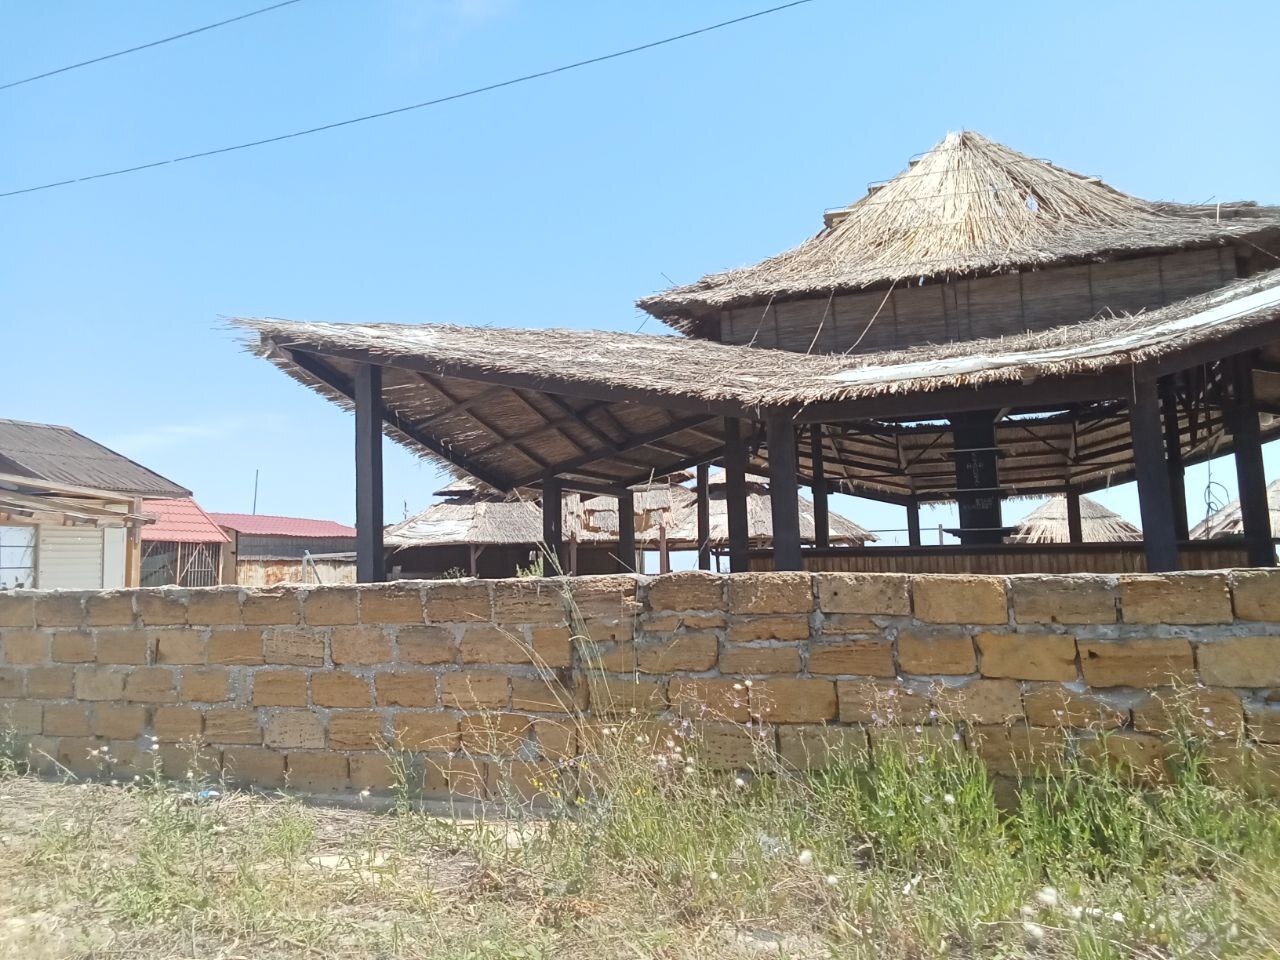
507	439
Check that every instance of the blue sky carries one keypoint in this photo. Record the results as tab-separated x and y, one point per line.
556	203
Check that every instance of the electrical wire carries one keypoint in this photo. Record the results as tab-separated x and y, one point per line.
408	107
145	46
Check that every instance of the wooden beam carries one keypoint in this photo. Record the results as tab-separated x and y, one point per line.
1075	528
369	417
552	532
704	517
1173	457
341	384
613	450
1255	514
821	510
507	438
913	522
784	492
1154	495
626	531
735	495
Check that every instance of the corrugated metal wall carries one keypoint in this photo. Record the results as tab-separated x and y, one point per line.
69	558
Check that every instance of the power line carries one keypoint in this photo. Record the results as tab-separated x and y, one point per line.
413	106
145	46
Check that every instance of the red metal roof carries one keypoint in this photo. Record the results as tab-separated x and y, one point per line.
180	521
257	524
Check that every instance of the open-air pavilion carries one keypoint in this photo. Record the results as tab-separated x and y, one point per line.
983	326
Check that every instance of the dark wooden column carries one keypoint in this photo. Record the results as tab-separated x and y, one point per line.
784	491
735	494
821	509
1075	529
1255	515
1154	496
368	397
552	532
1173	458
627	531
704	517
913	523
977	477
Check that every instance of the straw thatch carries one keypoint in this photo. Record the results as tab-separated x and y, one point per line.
681	518
968	206
1228	523
1048	524
681	368
479	519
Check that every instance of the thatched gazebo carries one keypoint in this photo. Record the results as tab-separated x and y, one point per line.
1228	521
985	325
1052	522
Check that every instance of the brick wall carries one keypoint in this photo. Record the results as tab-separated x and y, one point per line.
301	686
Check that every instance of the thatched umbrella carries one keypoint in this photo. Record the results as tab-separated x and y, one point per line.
1048	524
1227	523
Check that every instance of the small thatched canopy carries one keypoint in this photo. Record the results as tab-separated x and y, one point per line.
1048	524
1227	522
968	206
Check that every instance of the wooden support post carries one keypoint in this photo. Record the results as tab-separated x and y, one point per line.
627	532
704	517
475	560
821	511
1155	499
1075	528
913	523
368	399
664	555
735	494
784	492
1255	515
133	547
1173	458
552	530
977	477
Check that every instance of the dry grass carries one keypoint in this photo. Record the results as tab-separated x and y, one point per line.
642	851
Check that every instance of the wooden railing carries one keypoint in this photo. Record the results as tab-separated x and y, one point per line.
1011	558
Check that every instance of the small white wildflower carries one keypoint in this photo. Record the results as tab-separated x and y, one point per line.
115	783
1033	930
805	858
926	799
955	737
639	738
1095	911
154	739
746	683
633	711
949	799
688	768
137	777
1204	709
364	794
1208	723
1075	913
1048	896
1118	917
737	686
191	774
713	875
219	829
739	782
832	880
1027	910
919	729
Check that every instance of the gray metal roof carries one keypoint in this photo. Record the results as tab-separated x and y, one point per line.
56	454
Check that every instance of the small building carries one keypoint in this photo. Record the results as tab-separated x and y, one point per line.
1053	522
1228	522
265	550
183	546
71	510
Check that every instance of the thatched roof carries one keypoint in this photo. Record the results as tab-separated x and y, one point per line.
681	519
968	206
1048	524
1227	522
678	368
482	521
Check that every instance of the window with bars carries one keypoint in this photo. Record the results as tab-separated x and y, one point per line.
183	564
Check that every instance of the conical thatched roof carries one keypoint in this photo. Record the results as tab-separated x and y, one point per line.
1227	523
1048	524
968	206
